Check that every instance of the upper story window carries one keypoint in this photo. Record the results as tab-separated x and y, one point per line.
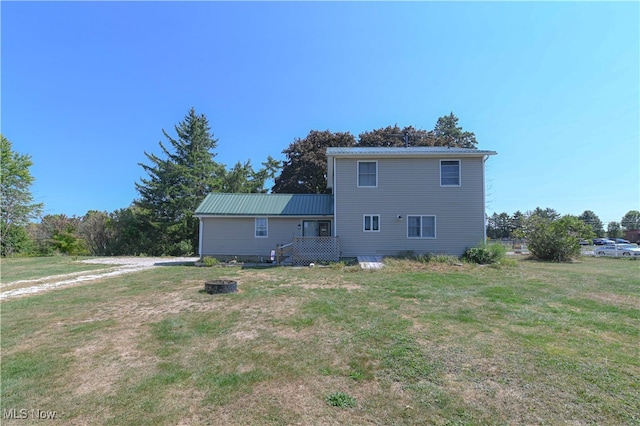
368	174
262	227
449	172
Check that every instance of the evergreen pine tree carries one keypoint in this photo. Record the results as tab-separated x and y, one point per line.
177	184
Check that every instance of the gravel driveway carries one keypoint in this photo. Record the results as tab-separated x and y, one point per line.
121	265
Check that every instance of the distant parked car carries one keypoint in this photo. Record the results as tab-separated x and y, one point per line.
619	250
621	241
584	242
602	241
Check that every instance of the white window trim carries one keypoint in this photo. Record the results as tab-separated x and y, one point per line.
421	237
364	216
459	173
358	174
255	232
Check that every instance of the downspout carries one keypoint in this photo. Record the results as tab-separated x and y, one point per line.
200	237
335	205
484	200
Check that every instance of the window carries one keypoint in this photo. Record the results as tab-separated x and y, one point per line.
421	226
309	228
449	172
371	223
316	228
262	227
367	173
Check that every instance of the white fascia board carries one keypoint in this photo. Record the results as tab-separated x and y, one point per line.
439	154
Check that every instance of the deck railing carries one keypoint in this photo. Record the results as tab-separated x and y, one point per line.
283	252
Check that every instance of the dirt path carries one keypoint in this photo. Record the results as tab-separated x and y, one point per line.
121	265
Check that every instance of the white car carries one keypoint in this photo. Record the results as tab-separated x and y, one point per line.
616	250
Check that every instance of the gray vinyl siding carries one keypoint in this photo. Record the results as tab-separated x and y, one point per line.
409	186
235	236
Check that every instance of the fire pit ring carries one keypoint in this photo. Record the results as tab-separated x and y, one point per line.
220	286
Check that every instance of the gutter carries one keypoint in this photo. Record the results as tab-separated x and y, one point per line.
200	242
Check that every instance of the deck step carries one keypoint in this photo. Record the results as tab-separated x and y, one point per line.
370	262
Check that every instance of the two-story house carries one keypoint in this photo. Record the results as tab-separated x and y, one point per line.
384	201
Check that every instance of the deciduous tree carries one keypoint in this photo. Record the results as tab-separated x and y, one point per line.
394	136
58	233
305	169
591	219
96	231
16	201
555	239
614	230
67	241
631	220
547	213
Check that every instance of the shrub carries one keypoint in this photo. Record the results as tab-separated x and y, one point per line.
485	254
556	240
182	248
16	241
67	242
210	261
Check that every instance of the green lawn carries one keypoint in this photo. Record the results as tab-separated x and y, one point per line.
530	343
29	268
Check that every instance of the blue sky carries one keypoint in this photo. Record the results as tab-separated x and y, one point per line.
87	88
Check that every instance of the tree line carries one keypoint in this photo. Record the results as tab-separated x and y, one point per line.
505	226
550	236
160	221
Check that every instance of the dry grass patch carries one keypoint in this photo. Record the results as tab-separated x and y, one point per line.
115	356
623	300
413	343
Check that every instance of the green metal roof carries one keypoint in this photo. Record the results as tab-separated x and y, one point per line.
221	204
